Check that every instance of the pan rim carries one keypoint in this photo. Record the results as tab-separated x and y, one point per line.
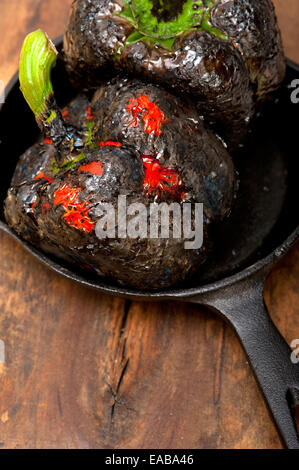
175	293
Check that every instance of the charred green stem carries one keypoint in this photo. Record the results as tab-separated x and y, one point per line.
147	18
38	57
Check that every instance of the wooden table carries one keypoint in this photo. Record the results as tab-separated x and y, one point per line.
87	370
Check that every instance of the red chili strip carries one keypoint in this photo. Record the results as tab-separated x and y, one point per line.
89	114
95	168
65	114
152	116
161	179
110	143
42	175
76	213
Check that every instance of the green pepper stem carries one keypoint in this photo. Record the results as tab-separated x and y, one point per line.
38	57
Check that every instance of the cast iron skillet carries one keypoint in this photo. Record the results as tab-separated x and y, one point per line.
263	226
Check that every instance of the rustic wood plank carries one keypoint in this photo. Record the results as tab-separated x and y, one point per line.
92	371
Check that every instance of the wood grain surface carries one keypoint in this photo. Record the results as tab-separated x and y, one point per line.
84	370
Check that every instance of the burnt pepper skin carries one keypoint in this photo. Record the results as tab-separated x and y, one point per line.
228	58
158	124
253	30
56	208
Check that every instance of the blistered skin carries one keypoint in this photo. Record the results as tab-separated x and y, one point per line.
93	36
57	209
208	69
207	169
227	66
253	30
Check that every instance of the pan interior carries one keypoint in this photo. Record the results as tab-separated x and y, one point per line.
265	210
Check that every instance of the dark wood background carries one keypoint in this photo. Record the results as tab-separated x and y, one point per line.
92	371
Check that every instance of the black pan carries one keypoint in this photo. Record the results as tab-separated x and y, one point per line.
263	226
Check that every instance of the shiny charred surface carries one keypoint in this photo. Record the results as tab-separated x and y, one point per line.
178	139
125	153
253	30
228	56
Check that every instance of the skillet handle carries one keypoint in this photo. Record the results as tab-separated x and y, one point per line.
242	304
